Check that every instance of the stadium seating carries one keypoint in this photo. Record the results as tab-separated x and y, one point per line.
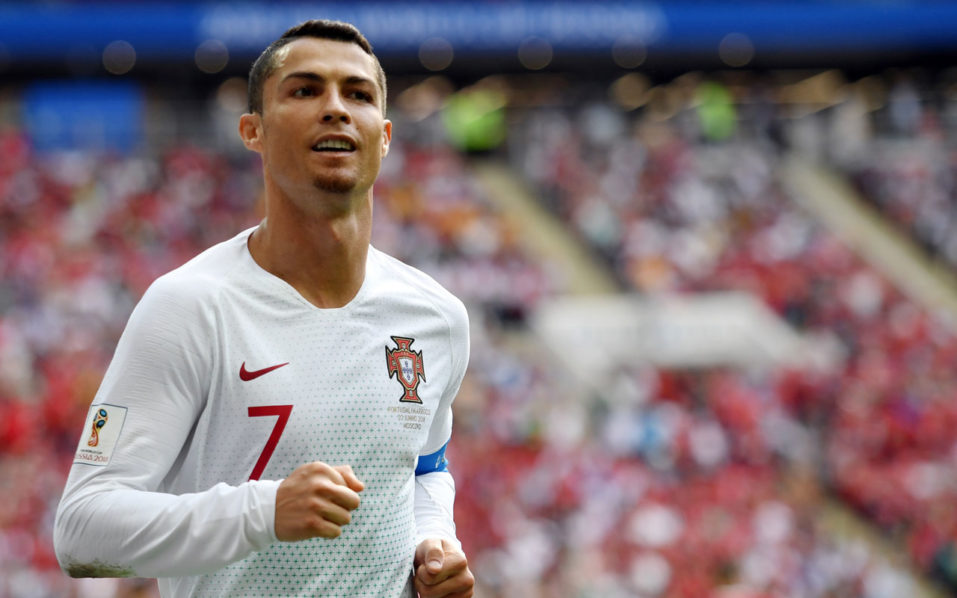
674	483
675	212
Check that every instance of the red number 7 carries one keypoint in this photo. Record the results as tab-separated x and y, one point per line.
282	411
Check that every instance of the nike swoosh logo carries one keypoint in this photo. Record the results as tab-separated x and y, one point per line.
246	375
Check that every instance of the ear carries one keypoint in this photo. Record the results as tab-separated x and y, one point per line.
250	131
386	137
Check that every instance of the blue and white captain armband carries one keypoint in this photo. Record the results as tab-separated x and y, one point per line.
432	463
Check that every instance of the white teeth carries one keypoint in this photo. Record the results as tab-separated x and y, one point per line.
333	144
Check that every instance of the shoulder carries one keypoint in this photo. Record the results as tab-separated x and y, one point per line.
409	279
172	324
194	287
201	278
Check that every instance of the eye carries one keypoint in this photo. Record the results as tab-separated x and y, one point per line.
302	92
363	96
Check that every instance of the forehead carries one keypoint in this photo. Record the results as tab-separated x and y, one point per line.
329	58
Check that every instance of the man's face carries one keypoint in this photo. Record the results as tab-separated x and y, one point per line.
321	126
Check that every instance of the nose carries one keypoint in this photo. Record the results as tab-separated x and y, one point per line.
334	109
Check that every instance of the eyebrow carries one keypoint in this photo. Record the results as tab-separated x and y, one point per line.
311	76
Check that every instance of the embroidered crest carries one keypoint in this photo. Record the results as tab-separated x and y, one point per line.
408	365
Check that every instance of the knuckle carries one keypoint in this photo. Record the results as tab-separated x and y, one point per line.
325	529
320	485
336	516
314	504
316	468
315	524
311	468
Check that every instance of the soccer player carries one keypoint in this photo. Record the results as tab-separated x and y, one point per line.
275	416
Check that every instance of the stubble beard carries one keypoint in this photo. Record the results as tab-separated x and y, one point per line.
334	183
345	181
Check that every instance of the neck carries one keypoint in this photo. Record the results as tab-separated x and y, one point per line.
320	255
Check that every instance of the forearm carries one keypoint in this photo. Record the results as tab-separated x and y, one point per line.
434	501
110	531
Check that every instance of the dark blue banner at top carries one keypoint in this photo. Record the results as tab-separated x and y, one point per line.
476	27
54	31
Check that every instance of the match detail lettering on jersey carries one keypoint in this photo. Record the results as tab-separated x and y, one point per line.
246	375
103	425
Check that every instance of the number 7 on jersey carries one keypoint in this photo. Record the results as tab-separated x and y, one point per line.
282	412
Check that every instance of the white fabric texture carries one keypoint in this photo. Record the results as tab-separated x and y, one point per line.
175	500
434	500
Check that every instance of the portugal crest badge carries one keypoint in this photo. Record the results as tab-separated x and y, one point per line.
408	365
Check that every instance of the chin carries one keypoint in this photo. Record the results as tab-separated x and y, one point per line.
333	184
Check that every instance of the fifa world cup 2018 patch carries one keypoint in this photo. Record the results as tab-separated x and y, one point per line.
406	365
103	426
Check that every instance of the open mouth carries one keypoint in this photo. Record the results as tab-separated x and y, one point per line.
334	145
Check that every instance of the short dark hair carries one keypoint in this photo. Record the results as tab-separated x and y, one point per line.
265	65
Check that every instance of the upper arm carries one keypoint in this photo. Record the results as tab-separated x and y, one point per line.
152	392
441	429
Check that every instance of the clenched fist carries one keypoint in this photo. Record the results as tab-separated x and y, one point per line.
442	571
316	500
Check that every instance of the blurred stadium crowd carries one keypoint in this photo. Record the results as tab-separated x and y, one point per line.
672	483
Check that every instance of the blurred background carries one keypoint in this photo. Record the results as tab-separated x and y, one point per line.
707	248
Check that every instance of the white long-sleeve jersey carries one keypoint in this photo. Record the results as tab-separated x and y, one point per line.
224	381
